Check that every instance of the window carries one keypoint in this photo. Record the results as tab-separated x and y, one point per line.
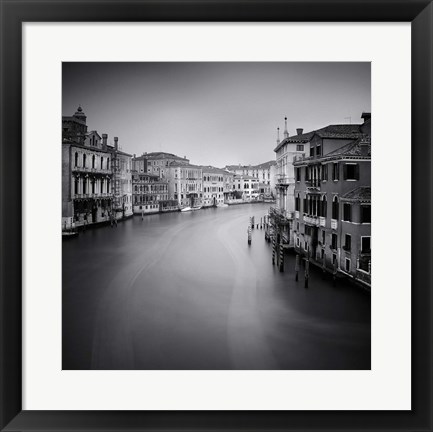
307	230
335	172
365	214
334	241
305	205
311	151
347	265
76	159
334	259
297	203
108	163
324	172
324	211
102	163
335	208
366	245
323	237
76	186
298	174
84	161
318	150
93	161
351	171
347	212
347	242
300	147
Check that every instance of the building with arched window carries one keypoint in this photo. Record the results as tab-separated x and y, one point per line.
332	195
86	174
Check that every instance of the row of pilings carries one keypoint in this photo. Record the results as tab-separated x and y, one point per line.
273	235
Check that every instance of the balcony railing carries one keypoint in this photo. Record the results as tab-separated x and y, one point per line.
91	195
334	224
282	179
311	220
322	221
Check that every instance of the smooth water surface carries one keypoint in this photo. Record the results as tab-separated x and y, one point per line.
185	291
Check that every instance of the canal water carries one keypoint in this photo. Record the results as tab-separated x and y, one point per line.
185	291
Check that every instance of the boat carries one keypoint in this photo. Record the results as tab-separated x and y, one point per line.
196	208
69	234
222	205
185	209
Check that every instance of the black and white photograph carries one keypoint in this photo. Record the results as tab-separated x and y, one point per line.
216	216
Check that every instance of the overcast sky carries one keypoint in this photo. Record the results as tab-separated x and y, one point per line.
213	113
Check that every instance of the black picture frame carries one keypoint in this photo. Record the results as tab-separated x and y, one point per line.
15	12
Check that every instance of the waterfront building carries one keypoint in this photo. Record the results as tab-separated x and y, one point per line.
86	174
149	193
156	163
213	186
246	187
228	185
121	166
265	173
185	183
332	217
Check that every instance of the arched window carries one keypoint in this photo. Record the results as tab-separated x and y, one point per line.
76	185
93	186
76	159
108	185
84	161
335	208
324	206
102	163
84	186
93	161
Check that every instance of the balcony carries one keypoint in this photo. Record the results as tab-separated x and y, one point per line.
311	220
334	224
313	185
280	216
282	180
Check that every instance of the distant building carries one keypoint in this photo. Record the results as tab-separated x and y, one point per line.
265	173
86	174
149	192
213	186
332	218
156	163
246	187
185	183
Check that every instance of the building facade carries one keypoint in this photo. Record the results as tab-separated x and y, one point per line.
156	163
246	187
86	174
185	184
149	193
121	166
332	218
213	186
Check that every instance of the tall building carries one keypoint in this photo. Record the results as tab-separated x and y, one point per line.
86	174
332	218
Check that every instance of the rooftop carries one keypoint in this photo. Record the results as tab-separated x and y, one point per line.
158	155
359	194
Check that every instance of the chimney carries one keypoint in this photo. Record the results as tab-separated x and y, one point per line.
299	131
104	140
116	143
135	155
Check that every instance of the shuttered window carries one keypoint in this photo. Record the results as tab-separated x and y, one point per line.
336	171
347	212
